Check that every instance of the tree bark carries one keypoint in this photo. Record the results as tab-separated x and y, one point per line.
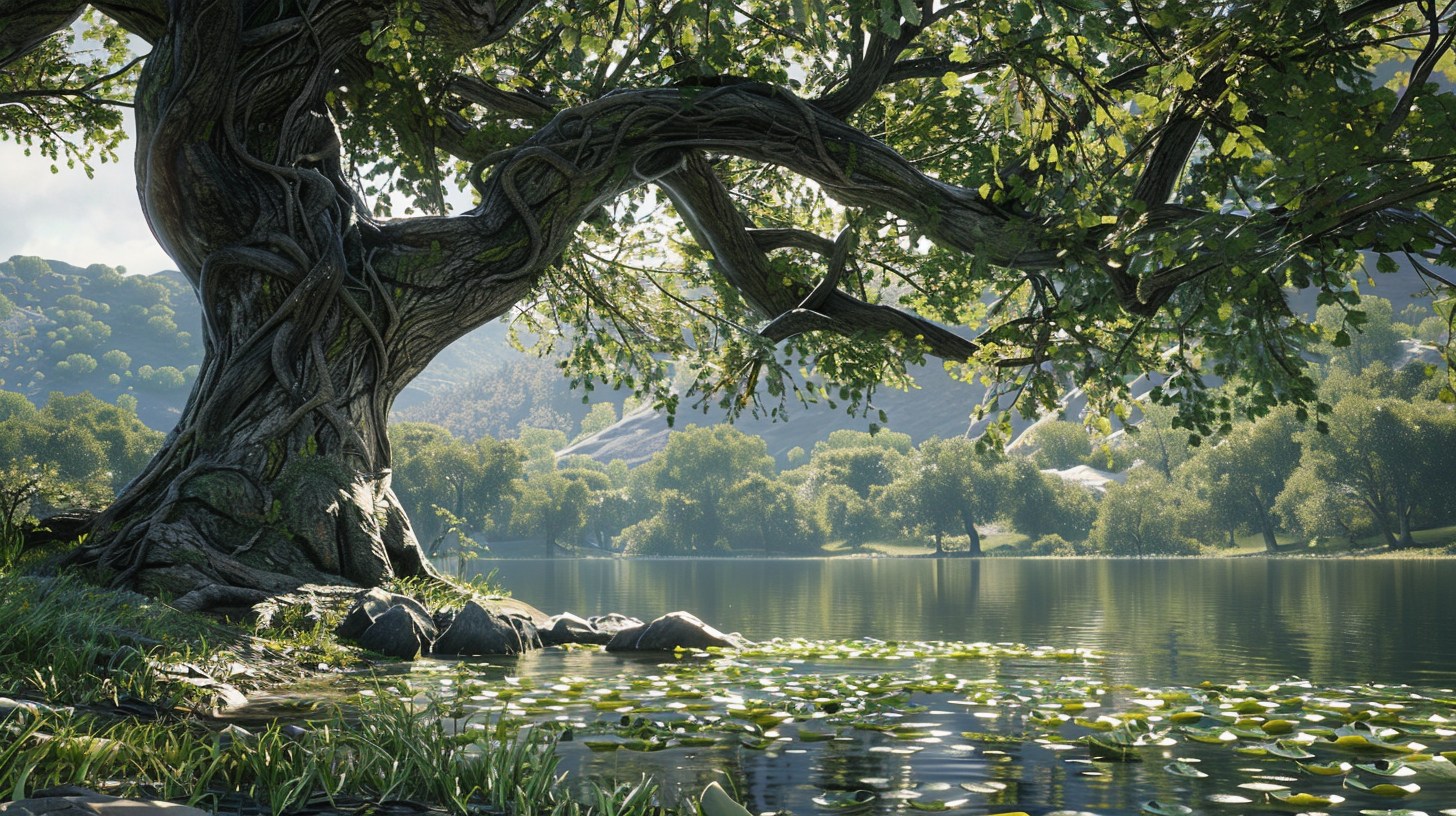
975	548
1407	541
1266	524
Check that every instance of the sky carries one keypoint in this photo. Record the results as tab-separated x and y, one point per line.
68	217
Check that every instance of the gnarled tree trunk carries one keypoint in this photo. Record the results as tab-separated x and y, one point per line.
316	316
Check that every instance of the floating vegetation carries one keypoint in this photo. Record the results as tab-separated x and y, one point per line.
996	712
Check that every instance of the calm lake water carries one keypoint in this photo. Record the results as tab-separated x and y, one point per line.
1161	621
980	736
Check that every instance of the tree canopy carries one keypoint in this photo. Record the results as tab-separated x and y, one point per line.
775	194
1118	179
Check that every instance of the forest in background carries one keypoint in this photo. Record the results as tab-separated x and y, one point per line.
89	353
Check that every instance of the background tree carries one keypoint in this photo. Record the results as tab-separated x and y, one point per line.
702	465
553	506
1040	504
1244	475
1157	441
849	516
470	481
1147	516
1060	445
858	468
1396	459
1358	337
760	513
949	484
1090	166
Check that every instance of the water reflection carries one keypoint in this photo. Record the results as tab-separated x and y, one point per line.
1160	621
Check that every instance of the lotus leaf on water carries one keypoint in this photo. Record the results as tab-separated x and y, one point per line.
1306	799
1383	788
1159	809
846	799
1386	767
1111	751
1327	769
1184	769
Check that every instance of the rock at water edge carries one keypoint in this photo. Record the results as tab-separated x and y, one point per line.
478	631
398	632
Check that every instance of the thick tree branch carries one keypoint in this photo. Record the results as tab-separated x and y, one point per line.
716	224
1437	46
519	104
28	23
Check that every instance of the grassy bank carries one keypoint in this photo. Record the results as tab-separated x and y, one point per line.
382	746
114	692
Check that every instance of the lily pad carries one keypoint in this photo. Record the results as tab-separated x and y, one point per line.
1184	769
1288	750
1228	799
1356	743
1278	726
1386	767
844	800
1383	788
1327	769
1304	800
1108	751
1159	809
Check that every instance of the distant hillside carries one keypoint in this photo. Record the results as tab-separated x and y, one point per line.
69	329
520	391
63	328
939	407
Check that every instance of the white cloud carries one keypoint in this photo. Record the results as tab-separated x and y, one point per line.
68	217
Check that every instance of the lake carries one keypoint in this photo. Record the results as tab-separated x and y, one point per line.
861	726
1160	621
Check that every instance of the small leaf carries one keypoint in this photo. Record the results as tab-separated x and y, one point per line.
1184	769
845	799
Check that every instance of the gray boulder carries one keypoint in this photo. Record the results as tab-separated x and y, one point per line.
569	628
480	631
355	623
612	623
675	630
625	640
369	606
399	632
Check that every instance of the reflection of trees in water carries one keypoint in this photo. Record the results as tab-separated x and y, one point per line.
1264	619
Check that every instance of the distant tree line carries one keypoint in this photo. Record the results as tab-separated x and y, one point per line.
1380	464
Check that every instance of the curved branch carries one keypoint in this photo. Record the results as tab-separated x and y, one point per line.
458	272
520	104
28	23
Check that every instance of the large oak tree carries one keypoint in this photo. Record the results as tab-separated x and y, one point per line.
749	187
